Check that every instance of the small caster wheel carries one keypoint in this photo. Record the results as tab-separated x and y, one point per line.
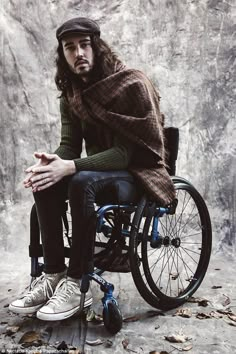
112	317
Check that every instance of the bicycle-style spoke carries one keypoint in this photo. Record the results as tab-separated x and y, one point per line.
184	249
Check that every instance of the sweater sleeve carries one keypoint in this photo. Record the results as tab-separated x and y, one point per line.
71	135
115	158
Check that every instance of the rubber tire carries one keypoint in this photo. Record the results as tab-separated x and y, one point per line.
145	284
112	318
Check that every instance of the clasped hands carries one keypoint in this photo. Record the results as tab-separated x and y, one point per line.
47	171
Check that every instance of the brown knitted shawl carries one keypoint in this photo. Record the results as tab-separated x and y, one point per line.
126	103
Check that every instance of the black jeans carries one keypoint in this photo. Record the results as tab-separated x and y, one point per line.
83	190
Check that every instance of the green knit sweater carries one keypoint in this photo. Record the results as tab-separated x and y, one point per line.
98	159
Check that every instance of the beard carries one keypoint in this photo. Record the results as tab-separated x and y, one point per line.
82	68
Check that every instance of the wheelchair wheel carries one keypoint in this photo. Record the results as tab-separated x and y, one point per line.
169	273
112	317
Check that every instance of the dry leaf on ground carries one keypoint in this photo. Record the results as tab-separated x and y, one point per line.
216	287
183	349
92	316
155	352
177	338
141	316
203	303
215	314
108	343
132	319
232	317
202	316
153	313
200	301
227	301
231	323
30	338
62	346
225	312
187	348
11	330
184	312
125	343
95	342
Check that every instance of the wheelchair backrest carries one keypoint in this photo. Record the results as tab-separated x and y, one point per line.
171	136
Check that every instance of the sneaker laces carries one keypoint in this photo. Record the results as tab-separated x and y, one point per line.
38	285
65	288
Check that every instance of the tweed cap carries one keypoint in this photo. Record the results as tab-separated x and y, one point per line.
78	25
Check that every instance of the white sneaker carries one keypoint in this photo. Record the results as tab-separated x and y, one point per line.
65	302
42	289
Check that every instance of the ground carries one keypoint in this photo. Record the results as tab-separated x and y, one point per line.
204	326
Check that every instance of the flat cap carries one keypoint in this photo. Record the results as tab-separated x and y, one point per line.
78	25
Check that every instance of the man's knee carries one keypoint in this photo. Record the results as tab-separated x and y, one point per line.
80	181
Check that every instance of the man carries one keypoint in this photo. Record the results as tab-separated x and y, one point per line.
116	111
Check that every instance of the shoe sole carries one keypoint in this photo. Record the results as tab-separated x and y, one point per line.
25	310
62	315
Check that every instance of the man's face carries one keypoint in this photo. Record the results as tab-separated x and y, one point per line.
78	53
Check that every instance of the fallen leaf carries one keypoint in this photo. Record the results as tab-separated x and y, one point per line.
200	301
132	319
62	346
30	338
92	316
95	342
216	287
215	314
225	312
203	303
187	348
108	343
11	330
155	352
227	301
202	316
231	323
184	312
125	343
232	317
177	338
76	351
153	313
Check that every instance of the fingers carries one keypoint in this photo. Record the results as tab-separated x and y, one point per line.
38	182
41	169
36	178
38	187
29	169
44	155
27	181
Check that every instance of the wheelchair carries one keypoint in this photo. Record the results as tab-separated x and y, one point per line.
167	249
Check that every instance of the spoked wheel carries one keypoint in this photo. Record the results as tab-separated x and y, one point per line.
112	317
172	271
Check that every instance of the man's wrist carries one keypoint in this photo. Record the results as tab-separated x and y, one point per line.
70	167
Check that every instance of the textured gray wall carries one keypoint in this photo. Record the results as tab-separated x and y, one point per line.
186	47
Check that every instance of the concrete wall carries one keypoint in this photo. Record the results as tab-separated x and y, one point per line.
186	47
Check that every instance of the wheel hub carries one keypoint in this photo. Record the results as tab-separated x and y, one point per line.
176	242
166	241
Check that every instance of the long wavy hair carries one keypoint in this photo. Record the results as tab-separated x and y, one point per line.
106	63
